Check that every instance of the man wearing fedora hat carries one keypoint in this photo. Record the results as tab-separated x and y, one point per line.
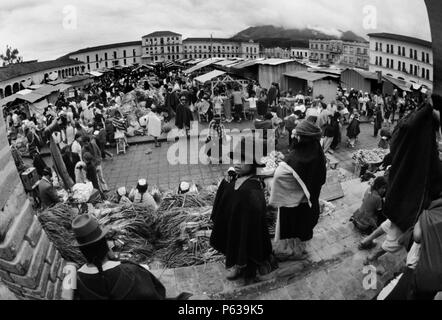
240	228
102	278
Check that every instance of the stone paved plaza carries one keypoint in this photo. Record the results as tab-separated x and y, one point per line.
334	268
126	169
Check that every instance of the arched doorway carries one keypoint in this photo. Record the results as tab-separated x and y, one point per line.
8	90
15	87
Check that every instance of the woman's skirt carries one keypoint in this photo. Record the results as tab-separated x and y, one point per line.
298	222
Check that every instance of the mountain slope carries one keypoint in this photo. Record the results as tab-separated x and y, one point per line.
270	36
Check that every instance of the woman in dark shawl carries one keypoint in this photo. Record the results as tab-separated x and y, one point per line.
353	130
415	169
183	114
240	229
308	161
70	160
337	130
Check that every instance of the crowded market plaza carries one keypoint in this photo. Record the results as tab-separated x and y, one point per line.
214	179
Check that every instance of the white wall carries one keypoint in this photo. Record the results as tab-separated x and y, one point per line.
38	77
110	57
395	57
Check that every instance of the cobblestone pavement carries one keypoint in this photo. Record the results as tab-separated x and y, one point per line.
126	169
334	268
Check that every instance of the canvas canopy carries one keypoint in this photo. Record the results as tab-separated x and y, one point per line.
401	84
309	76
209	76
95	73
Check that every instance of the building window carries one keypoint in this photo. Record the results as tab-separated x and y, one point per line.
392	64
105	64
388	61
115	54
415	54
376	48
403	51
380	48
105	56
87	59
388	48
411	53
380	61
97	65
399	65
125	62
415	71
134	53
428	74
135	60
124	53
411	68
423	56
89	67
423	72
403	67
428	58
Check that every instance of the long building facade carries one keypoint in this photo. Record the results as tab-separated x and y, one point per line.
161	46
18	76
196	48
123	54
402	57
339	52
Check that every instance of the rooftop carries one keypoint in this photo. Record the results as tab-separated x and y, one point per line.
20	69
162	34
399	37
104	47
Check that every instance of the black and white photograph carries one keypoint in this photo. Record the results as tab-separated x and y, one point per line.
235	152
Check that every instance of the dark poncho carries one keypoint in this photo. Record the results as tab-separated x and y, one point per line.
240	230
183	117
308	160
353	129
127	281
414	176
429	268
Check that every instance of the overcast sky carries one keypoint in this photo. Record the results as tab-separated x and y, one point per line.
36	28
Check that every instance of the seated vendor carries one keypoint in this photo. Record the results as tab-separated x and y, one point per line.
139	195
369	216
47	193
184	187
123	196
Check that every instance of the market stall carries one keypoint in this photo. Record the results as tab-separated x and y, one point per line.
370	158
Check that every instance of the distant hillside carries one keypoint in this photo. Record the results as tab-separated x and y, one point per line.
271	36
